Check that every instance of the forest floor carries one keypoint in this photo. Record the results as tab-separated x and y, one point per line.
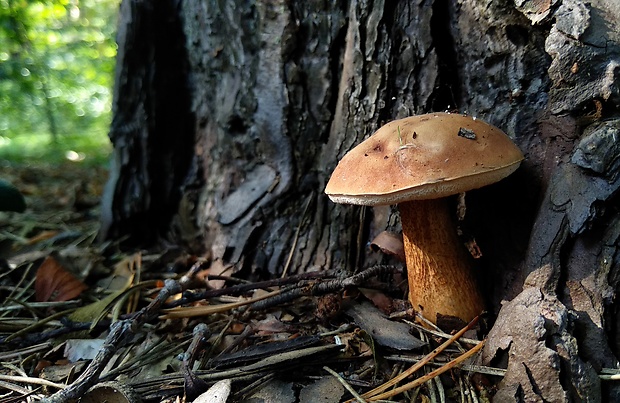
68	301
62	208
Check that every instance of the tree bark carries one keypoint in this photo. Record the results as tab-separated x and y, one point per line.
153	123
236	117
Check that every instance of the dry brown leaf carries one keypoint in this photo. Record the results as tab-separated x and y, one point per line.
379	299
54	283
390	244
270	325
236	328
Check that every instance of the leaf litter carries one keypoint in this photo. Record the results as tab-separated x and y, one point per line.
82	319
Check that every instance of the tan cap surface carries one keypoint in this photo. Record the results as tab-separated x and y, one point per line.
423	157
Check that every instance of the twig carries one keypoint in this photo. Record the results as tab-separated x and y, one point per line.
200	335
439	333
467	367
37	324
194	311
296	238
422	362
472	392
193	385
430	375
70	327
191	273
5	356
440	389
23	392
282	297
247	331
462	389
34	381
147	357
330	286
432	395
189	297
120	333
253	385
322	287
343	328
345	384
37	305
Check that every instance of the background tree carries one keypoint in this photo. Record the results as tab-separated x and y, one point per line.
230	116
56	64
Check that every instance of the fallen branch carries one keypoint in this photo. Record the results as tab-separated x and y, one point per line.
120	333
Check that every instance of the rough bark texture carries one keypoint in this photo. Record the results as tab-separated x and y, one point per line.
280	90
153	126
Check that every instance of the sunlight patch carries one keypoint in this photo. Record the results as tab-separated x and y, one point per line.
74	156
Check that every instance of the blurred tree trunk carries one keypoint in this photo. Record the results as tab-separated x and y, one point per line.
230	116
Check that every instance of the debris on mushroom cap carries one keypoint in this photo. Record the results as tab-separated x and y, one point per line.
467	133
423	157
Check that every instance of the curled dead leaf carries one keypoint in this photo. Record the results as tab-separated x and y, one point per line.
54	283
390	244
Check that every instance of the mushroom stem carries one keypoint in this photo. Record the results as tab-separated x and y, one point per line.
439	273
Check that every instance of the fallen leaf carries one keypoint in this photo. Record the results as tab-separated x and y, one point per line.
62	371
236	328
54	283
379	299
385	332
326	390
270	325
390	244
274	390
82	349
95	310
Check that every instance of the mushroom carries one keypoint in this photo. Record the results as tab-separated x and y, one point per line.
416	163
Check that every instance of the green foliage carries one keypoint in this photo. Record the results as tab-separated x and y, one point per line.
56	68
27	147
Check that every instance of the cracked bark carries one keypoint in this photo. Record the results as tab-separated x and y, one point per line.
274	93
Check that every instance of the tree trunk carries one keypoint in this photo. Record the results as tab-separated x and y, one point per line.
233	114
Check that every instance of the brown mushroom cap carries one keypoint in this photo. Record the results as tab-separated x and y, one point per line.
423	157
